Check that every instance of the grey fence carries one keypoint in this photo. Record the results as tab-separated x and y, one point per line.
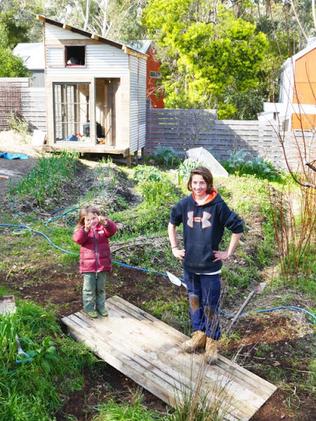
184	129
17	97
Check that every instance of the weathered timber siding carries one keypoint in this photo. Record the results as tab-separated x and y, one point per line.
17	97
185	129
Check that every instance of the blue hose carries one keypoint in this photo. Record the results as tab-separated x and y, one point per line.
154	272
290	308
21	227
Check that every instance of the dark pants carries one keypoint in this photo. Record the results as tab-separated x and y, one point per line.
204	297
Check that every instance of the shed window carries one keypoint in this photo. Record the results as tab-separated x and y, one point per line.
75	55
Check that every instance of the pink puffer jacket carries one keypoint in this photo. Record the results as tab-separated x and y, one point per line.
95	254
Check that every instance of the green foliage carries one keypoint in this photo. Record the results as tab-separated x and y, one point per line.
146	173
46	181
32	390
158	193
241	163
19	21
207	59
185	169
166	157
11	66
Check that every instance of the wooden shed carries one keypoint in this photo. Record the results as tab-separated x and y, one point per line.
95	90
297	100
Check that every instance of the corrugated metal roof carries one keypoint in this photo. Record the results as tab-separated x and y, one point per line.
70	28
32	54
141	45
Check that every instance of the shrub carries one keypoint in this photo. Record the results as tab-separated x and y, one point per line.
166	157
147	173
241	163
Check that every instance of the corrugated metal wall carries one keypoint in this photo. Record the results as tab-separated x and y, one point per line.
137	103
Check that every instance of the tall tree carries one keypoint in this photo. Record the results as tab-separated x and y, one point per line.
211	59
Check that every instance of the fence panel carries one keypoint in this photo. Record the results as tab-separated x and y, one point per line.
184	129
16	97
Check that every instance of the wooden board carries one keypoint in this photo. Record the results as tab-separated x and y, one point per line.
148	351
7	304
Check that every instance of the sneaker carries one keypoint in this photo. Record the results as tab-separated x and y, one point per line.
211	350
93	314
197	341
103	313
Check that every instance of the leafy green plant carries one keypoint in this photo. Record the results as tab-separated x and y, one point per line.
146	173
166	157
161	192
185	168
241	162
33	389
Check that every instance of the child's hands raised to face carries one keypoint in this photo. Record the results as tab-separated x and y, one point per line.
103	220
90	221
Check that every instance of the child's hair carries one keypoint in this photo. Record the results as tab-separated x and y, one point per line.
83	213
207	177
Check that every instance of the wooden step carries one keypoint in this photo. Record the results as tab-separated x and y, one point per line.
148	351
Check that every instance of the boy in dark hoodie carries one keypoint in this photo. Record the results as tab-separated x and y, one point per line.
204	216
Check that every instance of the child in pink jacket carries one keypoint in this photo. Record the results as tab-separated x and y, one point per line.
92	233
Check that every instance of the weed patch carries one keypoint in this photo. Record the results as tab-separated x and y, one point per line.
34	389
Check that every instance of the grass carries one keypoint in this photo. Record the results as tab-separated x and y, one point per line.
175	312
131	411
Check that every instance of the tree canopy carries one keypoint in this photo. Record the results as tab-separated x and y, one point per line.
211	59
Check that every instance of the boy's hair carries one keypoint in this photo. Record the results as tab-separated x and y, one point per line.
207	177
83	213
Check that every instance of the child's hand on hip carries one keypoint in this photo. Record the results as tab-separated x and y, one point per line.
179	254
220	255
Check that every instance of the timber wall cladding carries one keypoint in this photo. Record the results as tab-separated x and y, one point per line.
184	129
17	97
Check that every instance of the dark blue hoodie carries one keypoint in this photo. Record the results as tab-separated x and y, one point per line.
203	229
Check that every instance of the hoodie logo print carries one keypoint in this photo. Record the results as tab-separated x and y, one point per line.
205	220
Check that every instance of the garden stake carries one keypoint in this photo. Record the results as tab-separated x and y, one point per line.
257	290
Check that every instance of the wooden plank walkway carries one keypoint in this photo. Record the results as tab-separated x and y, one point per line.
148	351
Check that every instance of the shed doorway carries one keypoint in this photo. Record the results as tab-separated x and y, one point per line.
105	110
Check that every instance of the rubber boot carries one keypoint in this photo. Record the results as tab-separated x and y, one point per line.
211	350
197	341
